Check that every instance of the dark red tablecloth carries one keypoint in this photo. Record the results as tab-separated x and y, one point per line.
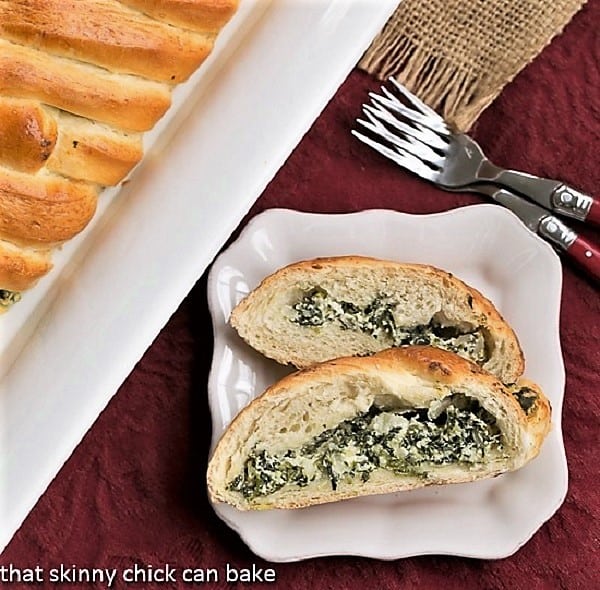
134	489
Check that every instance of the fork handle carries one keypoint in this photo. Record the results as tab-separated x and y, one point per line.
585	254
594	213
552	194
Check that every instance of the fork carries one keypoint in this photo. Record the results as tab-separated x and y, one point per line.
541	222
428	148
419	139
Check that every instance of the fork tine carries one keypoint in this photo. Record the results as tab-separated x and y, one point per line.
403	159
377	127
420	105
406	131
418	131
409	144
392	103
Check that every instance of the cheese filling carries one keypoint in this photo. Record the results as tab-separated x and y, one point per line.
8	298
317	308
456	430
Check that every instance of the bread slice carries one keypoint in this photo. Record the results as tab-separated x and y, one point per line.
320	309
401	419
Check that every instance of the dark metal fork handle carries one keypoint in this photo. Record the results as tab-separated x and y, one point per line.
552	194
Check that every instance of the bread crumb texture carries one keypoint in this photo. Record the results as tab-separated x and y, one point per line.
401	419
316	310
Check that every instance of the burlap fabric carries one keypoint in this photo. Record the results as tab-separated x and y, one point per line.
457	55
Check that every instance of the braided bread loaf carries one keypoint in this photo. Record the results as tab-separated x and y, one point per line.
79	83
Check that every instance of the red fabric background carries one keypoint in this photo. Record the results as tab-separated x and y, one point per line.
134	489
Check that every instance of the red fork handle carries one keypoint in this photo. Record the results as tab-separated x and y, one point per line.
586	255
576	247
593	216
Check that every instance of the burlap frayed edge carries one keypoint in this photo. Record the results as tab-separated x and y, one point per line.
458	94
453	92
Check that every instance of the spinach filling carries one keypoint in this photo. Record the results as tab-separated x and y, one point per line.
527	399
8	298
377	319
455	430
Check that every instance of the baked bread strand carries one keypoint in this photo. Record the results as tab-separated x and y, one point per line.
125	101
92	151
21	267
284	425
43	209
198	15
86	31
28	134
33	136
315	310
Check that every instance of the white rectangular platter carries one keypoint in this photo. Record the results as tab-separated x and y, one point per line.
68	346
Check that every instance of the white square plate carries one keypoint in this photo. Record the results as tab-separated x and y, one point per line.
490	249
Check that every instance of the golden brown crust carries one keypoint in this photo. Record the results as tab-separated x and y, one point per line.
539	415
125	101
20	268
33	137
438	371
198	15
43	209
27	134
432	364
88	151
85	31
